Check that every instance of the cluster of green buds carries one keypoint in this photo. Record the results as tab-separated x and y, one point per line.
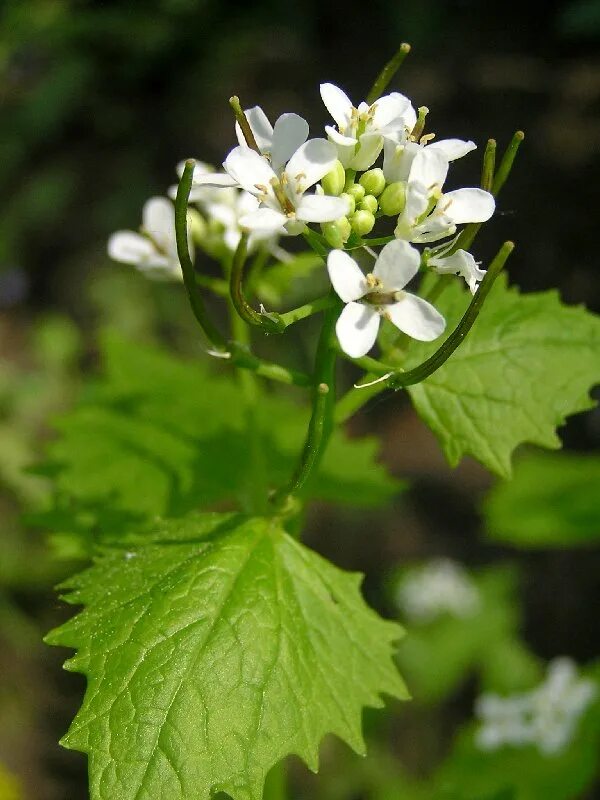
368	198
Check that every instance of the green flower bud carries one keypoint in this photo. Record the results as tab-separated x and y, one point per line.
368	203
356	191
336	232
362	222
351	202
393	200
373	181
333	182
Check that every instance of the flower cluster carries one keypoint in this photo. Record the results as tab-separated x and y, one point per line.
545	717
440	587
278	181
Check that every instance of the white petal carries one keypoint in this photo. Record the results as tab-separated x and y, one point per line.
453	148
218	179
396	265
395	110
249	169
338	138
459	263
222	213
417	201
346	276
337	103
368	151
310	163
357	329
321	208
416	317
260	127
468	205
290	132
129	247
265	219
245	203
232	238
397	159
429	168
158	218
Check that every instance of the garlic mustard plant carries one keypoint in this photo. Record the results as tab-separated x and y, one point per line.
214	642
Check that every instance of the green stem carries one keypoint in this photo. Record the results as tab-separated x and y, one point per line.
308	309
242	121
322	412
250	391
489	164
387	73
187	268
396	379
270	322
470	231
241	356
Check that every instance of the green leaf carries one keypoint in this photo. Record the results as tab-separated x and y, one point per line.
528	363
214	646
552	501
160	436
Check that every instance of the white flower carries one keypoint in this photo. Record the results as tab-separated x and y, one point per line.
546	716
278	144
228	210
440	587
398	158
284	206
154	250
459	263
200	192
361	131
430	215
382	294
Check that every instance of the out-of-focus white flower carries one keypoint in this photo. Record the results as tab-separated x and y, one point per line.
382	294
199	193
361	131
546	717
278	144
232	206
154	250
459	263
439	587
284	204
398	158
429	214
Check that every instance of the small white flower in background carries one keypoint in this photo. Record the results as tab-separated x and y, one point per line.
278	143
284	206
546	716
398	158
382	294
199	193
154	250
459	263
440	587
430	215
361	131
228	210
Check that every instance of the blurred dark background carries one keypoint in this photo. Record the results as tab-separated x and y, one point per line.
98	102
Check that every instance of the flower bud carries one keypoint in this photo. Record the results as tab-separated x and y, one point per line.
362	222
351	202
336	232
393	199
333	182
373	181
368	203
356	191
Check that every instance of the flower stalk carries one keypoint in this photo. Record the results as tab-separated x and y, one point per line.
388	72
269	322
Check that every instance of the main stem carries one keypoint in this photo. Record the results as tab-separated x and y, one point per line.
321	419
